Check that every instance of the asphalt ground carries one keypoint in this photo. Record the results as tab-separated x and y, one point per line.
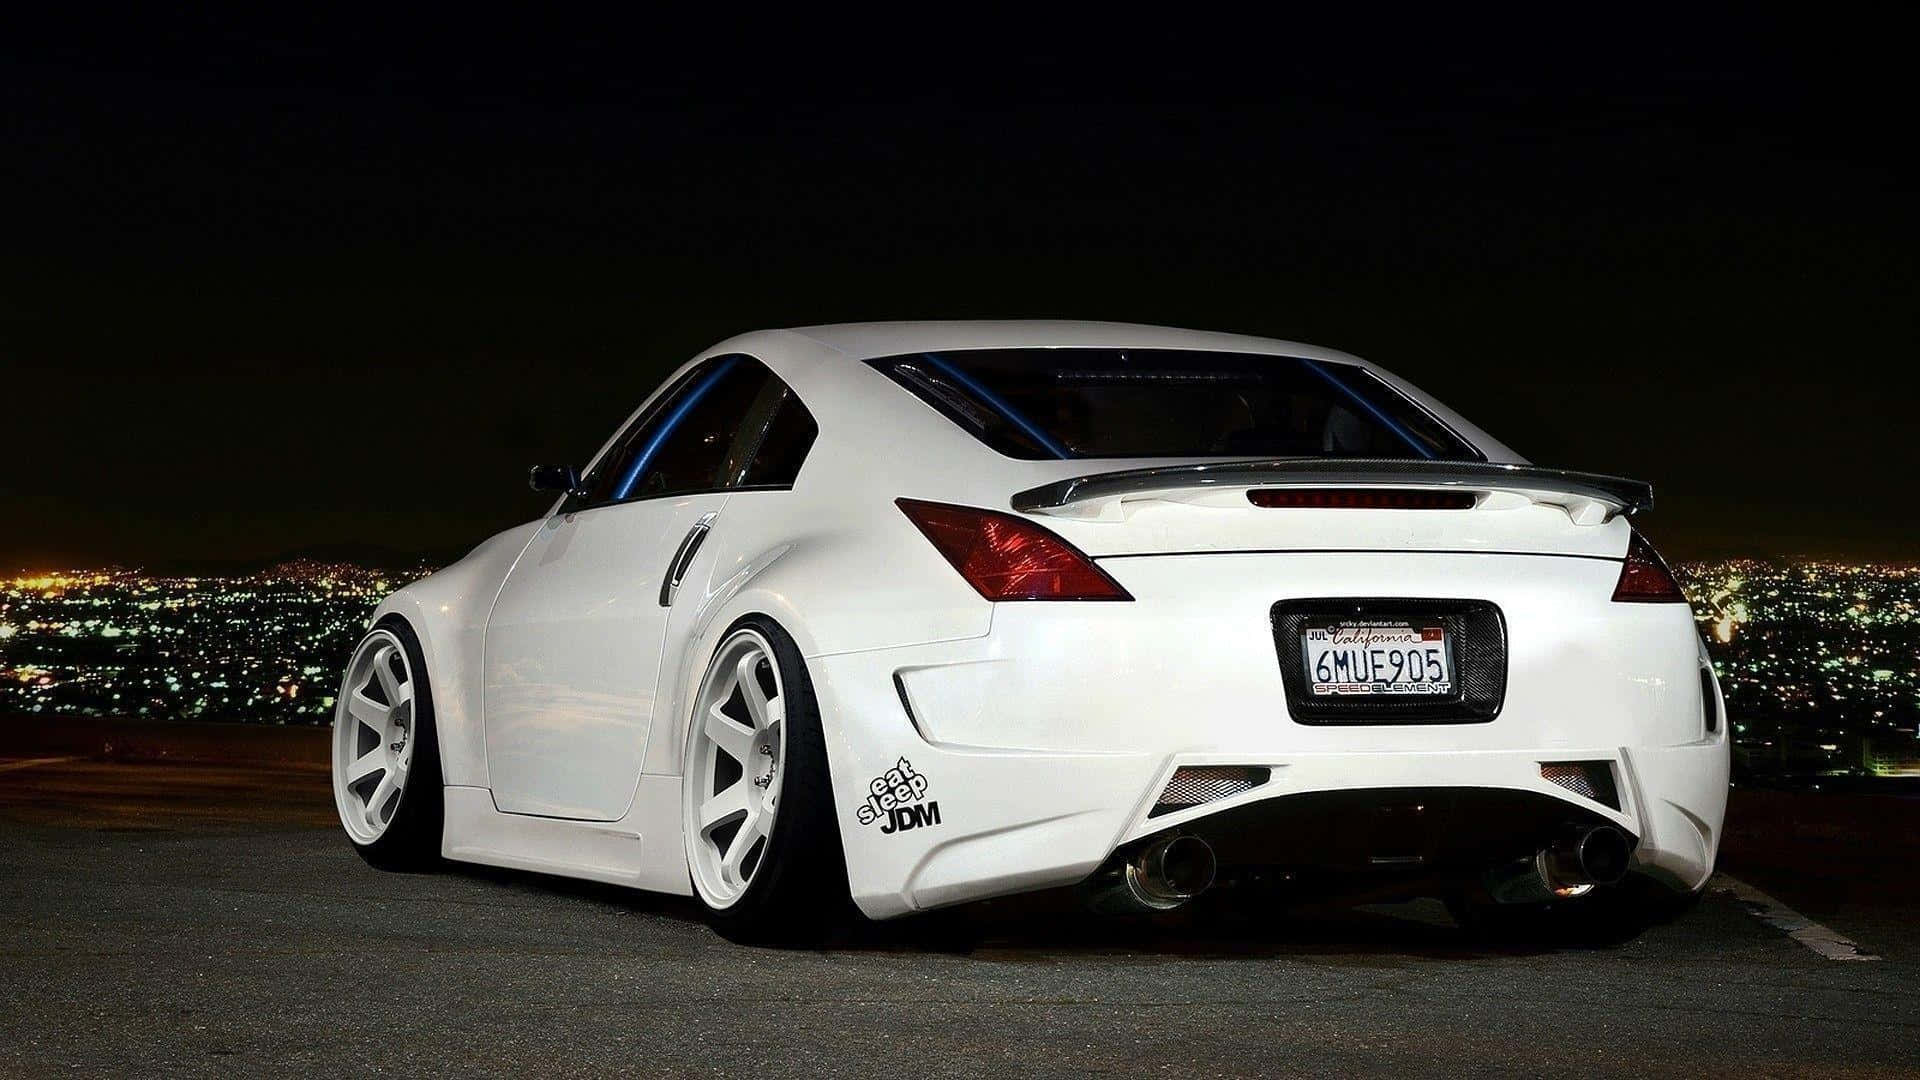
181	917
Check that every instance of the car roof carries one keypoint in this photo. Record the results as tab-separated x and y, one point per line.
864	341
829	353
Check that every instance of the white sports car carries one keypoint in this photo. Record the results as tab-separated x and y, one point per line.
918	613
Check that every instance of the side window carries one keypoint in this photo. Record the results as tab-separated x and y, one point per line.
620	458
687	452
708	433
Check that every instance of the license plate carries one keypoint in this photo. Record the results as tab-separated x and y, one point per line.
1366	657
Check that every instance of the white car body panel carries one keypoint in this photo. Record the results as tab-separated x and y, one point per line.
573	652
1046	729
1021	726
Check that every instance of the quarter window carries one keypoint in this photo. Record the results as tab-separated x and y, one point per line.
776	453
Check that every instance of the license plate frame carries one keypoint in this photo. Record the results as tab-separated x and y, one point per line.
1476	637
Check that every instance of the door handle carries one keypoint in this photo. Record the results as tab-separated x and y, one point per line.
683	558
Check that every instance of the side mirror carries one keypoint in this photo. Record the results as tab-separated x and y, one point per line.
561	478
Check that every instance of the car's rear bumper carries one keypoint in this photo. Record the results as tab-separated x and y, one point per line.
1010	822
1043	747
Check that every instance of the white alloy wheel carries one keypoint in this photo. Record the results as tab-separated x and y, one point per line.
736	755
373	736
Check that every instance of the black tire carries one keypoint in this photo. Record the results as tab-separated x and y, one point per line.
1606	917
411	842
798	894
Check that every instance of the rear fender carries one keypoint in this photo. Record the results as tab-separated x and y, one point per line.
800	585
842	575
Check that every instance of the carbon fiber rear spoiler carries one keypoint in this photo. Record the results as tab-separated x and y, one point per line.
1587	497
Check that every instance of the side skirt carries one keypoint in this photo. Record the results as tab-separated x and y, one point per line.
615	852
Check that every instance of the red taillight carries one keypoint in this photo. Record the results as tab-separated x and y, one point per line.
1644	577
1359	499
1009	558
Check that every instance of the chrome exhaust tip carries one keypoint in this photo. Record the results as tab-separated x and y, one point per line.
1596	856
1582	857
1162	876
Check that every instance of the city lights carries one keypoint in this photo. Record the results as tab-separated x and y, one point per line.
1819	661
264	647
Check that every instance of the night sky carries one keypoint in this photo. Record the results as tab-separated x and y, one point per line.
279	287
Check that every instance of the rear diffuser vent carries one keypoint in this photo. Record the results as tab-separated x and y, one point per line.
1587	779
1196	785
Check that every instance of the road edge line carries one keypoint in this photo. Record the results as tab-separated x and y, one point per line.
12	766
1821	939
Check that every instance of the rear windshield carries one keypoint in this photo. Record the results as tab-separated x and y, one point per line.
1114	403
